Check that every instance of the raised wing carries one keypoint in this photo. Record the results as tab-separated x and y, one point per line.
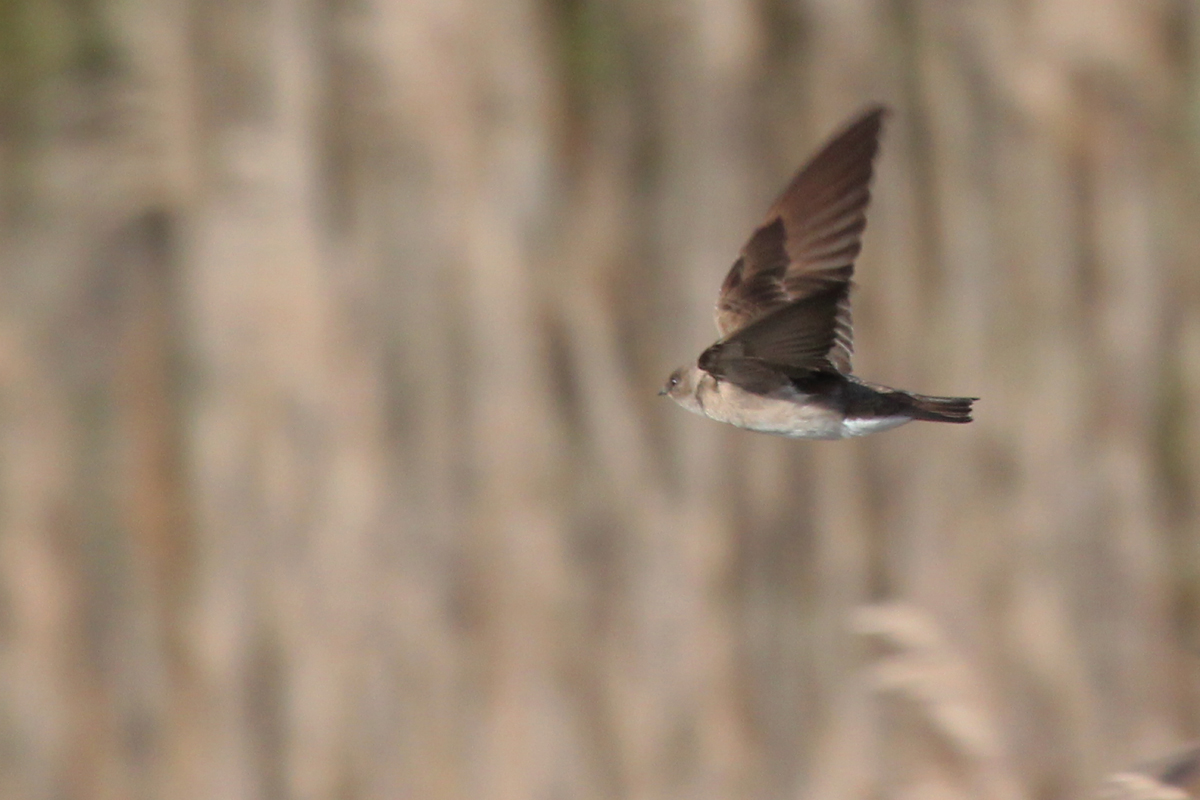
810	238
790	342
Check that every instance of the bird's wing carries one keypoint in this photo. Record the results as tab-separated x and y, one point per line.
810	238
791	341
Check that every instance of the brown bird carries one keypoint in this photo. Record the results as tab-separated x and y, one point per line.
782	364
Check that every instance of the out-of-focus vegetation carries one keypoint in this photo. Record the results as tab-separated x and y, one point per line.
330	458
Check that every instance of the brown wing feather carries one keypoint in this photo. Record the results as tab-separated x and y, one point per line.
790	341
810	239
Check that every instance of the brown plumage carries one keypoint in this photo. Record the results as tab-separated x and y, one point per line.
782	364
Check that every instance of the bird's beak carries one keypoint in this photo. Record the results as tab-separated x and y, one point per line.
661	392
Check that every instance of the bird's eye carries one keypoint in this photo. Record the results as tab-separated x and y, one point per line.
674	381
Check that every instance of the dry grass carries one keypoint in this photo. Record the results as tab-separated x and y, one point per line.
330	463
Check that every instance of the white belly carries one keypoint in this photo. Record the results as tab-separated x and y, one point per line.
791	415
861	427
784	416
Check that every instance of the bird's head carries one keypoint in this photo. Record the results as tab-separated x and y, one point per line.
681	385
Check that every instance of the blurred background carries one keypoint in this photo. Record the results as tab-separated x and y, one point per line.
331	464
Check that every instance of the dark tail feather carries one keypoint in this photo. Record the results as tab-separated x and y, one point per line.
942	409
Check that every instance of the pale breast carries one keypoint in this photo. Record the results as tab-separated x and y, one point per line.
792	414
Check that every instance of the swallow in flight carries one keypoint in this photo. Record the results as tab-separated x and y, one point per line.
782	364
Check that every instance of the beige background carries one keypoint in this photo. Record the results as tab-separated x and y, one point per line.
331	464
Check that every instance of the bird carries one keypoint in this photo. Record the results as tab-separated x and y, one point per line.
782	362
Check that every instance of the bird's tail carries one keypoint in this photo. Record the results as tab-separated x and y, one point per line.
941	409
